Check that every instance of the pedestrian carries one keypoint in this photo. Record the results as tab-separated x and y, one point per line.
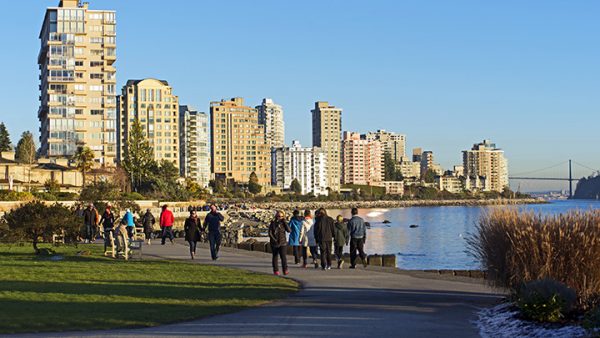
108	225
295	226
212	223
324	230
148	221
166	224
358	237
340	239
90	221
192	228
277	237
307	240
129	223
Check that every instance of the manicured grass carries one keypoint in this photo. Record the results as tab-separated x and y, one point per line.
92	292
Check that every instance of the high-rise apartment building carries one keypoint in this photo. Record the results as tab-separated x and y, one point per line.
270	115
194	155
417	154
361	160
327	132
307	165
238	142
153	104
392	143
485	160
78	81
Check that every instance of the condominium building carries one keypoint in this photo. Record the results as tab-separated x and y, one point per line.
326	132
410	169
307	165
194	154
428	164
361	160
417	153
449	183
238	142
485	160
270	115
78	81
392	143
154	105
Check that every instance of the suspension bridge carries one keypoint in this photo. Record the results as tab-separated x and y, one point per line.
531	175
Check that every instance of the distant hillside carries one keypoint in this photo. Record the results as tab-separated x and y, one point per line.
588	188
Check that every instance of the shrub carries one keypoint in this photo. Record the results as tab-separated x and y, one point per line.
45	196
519	247
546	300
134	196
10	195
591	322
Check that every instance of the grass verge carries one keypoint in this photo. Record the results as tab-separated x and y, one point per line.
40	294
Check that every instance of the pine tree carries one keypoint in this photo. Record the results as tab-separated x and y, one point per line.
253	185
296	187
138	159
84	159
25	152
4	139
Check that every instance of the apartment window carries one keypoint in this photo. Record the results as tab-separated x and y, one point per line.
79	63
96	63
96	76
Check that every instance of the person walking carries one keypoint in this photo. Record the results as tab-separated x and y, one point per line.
277	237
212	223
148	224
90	222
129	223
108	225
166	223
192	228
295	226
307	240
358	236
340	239
324	230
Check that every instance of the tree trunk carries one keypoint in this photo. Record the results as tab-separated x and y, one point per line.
83	177
35	247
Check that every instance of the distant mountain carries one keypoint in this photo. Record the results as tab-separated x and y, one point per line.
588	188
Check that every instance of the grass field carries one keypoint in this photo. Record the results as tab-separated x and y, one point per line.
92	292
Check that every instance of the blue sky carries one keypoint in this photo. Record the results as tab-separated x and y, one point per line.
445	73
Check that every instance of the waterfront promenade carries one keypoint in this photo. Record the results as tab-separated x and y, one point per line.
344	303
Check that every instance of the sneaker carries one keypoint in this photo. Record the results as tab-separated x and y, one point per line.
276	273
328	267
286	272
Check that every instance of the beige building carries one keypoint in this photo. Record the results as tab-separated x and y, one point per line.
410	169
393	187
485	160
78	81
392	143
449	183
361	160
152	102
270	115
428	163
194	145
238	142
326	132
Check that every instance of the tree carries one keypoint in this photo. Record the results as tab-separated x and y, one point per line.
4	139
164	182
138	159
296	187
52	186
253	186
84	159
391	171
25	152
34	221
429	176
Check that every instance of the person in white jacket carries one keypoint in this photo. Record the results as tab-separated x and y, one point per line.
308	241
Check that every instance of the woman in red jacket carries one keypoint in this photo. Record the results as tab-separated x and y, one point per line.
166	223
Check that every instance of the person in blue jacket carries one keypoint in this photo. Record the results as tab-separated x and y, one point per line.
129	222
295	225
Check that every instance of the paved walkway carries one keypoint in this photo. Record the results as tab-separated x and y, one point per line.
345	303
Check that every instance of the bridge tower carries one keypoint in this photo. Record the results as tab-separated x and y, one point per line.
570	181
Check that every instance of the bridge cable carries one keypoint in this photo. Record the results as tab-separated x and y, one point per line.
538	170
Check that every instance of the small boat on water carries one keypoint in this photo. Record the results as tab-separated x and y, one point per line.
413	226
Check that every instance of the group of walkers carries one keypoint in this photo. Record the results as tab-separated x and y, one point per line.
320	236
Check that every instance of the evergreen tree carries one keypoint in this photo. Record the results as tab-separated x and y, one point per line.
4	139
253	186
25	152
84	159
138	159
296	187
390	170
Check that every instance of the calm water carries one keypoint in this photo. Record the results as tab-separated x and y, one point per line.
439	241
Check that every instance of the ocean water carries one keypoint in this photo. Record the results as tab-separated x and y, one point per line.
439	241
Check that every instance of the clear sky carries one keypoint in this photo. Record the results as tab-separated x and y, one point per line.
448	74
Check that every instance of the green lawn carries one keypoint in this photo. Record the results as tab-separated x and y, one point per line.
93	292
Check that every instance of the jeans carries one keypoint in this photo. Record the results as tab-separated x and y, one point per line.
357	244
192	246
130	232
325	254
89	232
167	231
214	239
108	243
280	251
298	251
339	252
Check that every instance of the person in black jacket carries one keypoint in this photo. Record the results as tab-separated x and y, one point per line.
212	223
148	221
278	240
192	228
324	231
108	225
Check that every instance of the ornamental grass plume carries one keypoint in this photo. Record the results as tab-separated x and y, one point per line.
518	247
